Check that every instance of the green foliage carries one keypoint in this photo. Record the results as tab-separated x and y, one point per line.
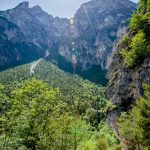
139	50
88	145
106	138
80	95
103	139
136	45
59	111
95	74
109	107
125	40
4	101
144	6
63	112
38	119
31	106
134	126
140	22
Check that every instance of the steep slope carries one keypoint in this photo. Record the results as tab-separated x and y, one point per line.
130	68
38	26
97	27
14	48
100	24
76	92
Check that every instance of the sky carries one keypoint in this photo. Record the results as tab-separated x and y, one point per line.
61	8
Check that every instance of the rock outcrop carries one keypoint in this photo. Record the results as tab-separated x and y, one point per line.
130	68
14	48
125	86
101	24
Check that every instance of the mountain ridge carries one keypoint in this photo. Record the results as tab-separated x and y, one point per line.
56	35
13	43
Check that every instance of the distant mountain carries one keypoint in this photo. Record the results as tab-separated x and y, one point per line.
97	27
101	23
14	48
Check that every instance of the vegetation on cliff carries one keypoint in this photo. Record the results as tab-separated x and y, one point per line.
137	41
134	125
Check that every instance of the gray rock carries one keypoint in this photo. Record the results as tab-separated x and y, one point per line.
14	47
125	86
98	26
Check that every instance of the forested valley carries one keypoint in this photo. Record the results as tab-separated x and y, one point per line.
52	109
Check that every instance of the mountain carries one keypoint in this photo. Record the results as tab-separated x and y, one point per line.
129	79
88	42
14	48
101	24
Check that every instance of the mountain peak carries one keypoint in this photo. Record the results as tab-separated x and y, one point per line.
37	7
23	5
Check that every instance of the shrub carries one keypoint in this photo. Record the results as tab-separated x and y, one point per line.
138	135
136	46
138	52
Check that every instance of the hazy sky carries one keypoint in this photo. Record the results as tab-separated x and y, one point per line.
61	8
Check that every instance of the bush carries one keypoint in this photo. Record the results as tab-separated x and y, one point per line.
136	45
138	135
138	52
136	22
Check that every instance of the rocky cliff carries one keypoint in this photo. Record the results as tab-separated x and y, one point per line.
125	86
101	24
130	68
14	48
98	25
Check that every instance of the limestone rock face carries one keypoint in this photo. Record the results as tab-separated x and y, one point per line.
38	26
101	24
125	86
14	48
98	25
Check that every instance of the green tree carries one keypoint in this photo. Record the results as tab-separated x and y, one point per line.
139	50
4	101
136	44
33	118
134	126
38	118
101	139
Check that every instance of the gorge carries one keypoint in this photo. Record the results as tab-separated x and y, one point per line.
97	28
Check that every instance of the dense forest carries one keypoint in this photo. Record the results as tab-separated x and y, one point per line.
51	109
